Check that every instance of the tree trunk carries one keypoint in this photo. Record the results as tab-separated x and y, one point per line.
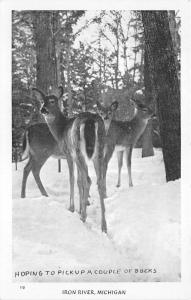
175	36
165	84
104	70
55	27
45	51
147	146
117	59
68	72
141	79
62	77
116	69
135	57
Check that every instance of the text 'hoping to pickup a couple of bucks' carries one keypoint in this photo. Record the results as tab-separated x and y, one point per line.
83	272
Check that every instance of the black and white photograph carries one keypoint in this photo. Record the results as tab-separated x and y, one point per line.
96	130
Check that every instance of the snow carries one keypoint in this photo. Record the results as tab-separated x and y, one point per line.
143	242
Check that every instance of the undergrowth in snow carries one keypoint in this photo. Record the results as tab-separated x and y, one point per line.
143	241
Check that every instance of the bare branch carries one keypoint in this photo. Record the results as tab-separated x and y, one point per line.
107	38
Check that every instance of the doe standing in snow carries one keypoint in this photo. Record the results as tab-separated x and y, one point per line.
38	146
79	138
123	135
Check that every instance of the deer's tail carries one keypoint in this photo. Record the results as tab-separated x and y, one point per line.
89	130
90	137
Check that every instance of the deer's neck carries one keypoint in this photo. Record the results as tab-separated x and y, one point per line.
107	125
139	124
56	125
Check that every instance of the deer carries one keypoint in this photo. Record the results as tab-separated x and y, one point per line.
80	139
122	136
38	146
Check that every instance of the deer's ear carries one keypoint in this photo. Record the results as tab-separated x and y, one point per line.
39	94
60	91
114	105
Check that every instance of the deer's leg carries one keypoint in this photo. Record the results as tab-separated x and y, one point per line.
85	184
59	165
90	182
129	155
36	167
80	188
26	172
99	168
71	175
81	191
120	164
107	157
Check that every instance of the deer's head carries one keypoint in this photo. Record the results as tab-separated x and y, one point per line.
50	103
106	113
142	111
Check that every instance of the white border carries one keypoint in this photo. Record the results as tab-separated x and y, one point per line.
11	290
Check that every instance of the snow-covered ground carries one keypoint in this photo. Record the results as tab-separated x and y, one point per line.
143	241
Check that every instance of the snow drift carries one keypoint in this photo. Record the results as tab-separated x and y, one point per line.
143	241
